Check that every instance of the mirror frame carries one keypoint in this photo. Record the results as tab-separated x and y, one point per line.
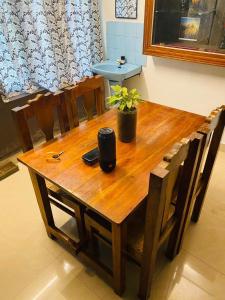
196	56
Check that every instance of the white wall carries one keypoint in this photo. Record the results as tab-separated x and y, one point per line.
193	87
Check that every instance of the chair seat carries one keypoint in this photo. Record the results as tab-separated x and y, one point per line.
61	199
52	187
135	229
135	232
57	192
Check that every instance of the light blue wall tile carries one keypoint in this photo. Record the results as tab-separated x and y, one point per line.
140	30
131	56
109	40
125	38
139	46
113	54
141	60
120	28
130	29
109	28
117	26
117	54
122	47
129	43
114	42
110	53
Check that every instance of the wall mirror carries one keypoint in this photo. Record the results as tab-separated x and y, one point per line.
192	30
126	9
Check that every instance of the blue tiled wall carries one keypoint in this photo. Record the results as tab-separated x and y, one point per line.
124	38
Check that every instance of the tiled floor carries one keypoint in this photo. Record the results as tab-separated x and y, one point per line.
34	267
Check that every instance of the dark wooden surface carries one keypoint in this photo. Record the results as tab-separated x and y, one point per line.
213	130
197	56
42	108
172	178
162	186
9	137
92	90
117	194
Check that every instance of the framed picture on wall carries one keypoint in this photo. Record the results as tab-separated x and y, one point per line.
126	9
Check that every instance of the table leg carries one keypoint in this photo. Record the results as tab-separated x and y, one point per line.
43	200
118	240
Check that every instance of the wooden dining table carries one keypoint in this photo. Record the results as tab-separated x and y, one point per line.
113	195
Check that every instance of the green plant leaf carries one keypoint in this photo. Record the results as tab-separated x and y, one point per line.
129	104
124	92
133	91
116	88
122	106
126	100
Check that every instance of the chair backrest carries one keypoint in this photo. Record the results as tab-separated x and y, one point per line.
42	107
171	178
92	89
212	131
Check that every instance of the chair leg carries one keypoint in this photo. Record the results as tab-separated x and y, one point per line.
41	193
118	241
52	237
79	217
198	206
147	271
94	244
92	240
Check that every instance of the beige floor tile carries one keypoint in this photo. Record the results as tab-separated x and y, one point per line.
77	290
190	277
14	272
206	239
95	283
32	266
53	279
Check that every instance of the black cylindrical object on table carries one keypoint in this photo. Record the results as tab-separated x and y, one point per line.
107	149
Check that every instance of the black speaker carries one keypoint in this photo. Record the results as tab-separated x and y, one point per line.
107	149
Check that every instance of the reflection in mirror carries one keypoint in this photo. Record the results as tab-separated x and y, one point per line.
190	24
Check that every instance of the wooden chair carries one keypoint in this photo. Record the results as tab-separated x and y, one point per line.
152	225
212	131
92	90
43	108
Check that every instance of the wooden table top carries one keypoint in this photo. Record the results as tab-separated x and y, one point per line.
117	194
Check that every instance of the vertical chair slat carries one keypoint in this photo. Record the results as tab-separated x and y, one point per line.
213	129
92	90
43	108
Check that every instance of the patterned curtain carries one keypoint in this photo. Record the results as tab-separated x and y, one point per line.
47	43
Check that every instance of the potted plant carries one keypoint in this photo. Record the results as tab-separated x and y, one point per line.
126	101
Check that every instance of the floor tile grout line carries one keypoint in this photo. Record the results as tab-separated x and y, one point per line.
200	287
88	288
202	261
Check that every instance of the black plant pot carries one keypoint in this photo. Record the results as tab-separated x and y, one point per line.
127	123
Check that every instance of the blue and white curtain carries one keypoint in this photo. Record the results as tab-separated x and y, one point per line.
47	43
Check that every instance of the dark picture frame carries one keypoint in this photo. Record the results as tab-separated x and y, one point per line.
126	9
